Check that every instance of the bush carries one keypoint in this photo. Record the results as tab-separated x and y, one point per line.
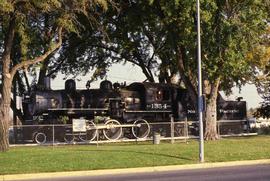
264	130
254	130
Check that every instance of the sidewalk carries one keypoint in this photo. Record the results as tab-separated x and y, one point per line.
130	170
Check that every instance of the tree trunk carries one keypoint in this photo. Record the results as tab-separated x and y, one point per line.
4	112
187	80
4	115
42	72
211	120
6	86
211	113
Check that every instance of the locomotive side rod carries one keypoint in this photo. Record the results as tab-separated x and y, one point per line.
104	126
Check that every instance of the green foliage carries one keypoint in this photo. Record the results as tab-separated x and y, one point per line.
75	17
23	35
149	33
47	6
262	130
63	119
37	23
5	7
264	109
68	21
260	61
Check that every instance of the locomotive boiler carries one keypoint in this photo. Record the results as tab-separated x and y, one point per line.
111	107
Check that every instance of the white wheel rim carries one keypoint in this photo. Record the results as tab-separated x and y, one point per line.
136	124
110	125
38	136
91	126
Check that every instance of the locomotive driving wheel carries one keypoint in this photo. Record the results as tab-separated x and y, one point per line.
113	129
141	129
91	132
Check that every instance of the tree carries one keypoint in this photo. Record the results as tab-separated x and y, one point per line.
259	56
262	79
36	39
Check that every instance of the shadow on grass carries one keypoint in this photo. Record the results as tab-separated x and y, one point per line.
138	152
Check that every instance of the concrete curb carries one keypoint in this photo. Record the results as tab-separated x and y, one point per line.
131	170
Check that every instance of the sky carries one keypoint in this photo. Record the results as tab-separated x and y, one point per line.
249	94
129	73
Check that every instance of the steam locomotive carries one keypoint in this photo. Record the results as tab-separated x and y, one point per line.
111	107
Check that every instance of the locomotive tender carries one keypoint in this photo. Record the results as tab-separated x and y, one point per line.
133	106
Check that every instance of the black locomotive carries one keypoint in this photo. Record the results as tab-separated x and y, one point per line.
110	107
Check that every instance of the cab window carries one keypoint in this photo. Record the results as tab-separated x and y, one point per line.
163	95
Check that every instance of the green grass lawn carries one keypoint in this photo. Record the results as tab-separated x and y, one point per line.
126	155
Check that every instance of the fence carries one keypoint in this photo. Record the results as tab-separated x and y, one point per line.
87	132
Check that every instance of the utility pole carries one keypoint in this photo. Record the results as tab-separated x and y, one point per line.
200	99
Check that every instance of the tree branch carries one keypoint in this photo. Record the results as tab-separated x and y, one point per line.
186	80
8	46
147	72
123	55
56	69
40	58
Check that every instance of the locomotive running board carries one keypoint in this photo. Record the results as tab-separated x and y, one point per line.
78	109
154	111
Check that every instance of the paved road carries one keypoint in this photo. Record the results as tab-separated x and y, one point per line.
239	173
